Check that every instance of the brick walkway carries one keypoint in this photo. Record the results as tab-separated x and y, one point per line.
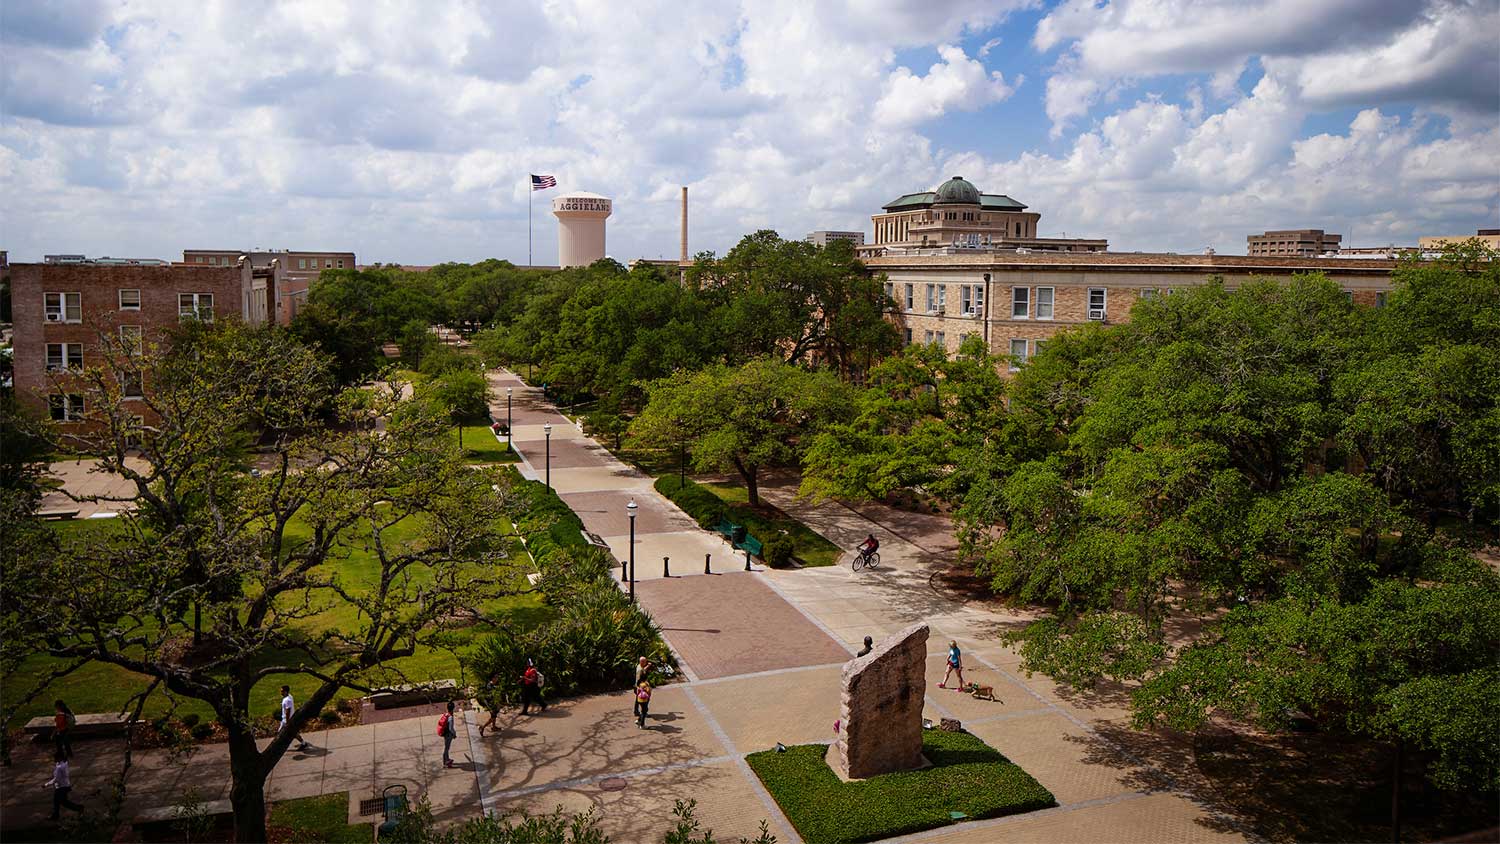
732	624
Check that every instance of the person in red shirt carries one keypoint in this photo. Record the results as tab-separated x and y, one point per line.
531	689
62	728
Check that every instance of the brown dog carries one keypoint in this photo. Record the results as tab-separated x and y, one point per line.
983	692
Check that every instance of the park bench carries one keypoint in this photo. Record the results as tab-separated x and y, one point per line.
90	725
411	694
739	537
166	814
59	513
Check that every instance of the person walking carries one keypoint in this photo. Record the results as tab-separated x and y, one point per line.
489	698
61	785
63	722
955	663
642	703
531	689
642	668
287	707
449	731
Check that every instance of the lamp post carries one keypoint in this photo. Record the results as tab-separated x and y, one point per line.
681	463
630	511
509	425
547	429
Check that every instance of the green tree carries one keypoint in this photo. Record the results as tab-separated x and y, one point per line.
416	340
26	440
463	394
744	419
197	509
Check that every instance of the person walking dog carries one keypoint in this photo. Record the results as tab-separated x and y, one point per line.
955	663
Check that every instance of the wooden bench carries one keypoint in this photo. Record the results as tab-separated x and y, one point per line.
411	694
91	725
165	814
59	513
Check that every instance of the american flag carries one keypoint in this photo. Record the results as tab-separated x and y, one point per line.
542	182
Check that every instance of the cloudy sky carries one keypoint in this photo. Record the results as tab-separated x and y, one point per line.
405	131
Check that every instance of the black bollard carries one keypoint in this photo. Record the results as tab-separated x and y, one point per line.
705	564
747	559
666	571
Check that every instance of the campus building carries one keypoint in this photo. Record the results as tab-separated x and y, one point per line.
63	313
1292	243
1436	243
823	237
957	218
293	270
1016	302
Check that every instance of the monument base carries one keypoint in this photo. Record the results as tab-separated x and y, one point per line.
832	759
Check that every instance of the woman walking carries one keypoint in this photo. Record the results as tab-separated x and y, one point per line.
63	721
955	663
642	702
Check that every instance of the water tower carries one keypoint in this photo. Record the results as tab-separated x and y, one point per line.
580	227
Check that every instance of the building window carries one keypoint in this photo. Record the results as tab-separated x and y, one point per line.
1017	354
1349	294
61	356
1018	229
341	263
63	307
890	290
1148	292
942	339
927	337
942	297
130	300
301	263
66	408
1044	303
964	301
134	425
195	305
1038	344
1098	303
1380	299
327	263
1020	302
130	384
908	336
931	298
130	339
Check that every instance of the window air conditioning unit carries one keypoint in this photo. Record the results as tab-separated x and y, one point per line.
1096	313
942	309
54	317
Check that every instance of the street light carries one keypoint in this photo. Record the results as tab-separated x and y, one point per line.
509	425
630	511
547	429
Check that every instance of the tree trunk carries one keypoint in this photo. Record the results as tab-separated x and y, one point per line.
197	623
247	788
752	486
460	436
1396	793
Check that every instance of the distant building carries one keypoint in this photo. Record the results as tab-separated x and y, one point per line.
63	312
957	218
297	269
823	238
1016	302
1490	238
1292	243
104	261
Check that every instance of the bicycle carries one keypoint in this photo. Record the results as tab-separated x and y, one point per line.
866	559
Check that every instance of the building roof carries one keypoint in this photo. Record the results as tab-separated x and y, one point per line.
1135	260
926	199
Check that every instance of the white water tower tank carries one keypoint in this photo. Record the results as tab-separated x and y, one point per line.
580	227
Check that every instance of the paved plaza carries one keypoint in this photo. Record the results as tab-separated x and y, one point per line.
762	654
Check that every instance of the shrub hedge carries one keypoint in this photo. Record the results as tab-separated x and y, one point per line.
966	776
694	500
593	644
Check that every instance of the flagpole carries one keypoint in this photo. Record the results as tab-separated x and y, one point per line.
529	192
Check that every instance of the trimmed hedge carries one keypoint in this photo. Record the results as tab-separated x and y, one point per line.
966	776
694	500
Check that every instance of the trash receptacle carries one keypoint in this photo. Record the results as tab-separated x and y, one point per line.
737	534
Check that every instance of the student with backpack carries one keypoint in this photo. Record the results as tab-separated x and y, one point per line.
642	702
63	722
531	688
449	732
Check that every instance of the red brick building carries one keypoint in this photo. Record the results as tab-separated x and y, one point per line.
61	311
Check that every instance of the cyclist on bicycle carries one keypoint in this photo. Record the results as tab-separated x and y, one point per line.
869	546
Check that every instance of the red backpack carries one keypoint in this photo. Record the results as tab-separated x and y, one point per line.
443	724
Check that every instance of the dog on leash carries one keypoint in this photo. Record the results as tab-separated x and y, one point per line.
982	692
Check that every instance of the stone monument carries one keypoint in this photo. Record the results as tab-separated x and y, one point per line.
881	708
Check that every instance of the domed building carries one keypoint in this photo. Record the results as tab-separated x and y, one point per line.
958	216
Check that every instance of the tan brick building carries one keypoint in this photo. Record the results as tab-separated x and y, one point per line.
1292	243
62	312
292	270
1016	302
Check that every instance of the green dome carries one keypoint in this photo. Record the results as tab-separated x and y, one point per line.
957	190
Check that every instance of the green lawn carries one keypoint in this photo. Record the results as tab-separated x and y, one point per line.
766	521
480	445
967	777
318	819
104	688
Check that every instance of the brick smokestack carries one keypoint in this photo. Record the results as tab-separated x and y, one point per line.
684	225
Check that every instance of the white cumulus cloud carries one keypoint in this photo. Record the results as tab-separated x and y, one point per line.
954	82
